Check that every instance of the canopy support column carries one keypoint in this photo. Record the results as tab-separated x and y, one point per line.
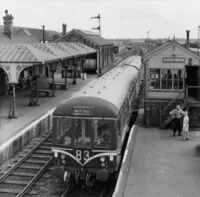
82	65
34	101
74	71
53	70
12	109
65	67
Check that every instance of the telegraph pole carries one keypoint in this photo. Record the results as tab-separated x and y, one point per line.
198	39
43	32
99	27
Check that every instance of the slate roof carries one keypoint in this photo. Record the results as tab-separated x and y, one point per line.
38	33
89	36
24	53
4	39
150	54
64	50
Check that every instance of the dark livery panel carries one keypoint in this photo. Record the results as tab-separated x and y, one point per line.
89	129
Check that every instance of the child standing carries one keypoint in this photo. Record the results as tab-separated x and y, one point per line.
186	126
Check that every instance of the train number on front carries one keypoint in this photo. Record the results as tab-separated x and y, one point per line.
86	155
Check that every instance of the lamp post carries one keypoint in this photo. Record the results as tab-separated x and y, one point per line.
147	37
75	62
198	38
53	70
12	109
34	90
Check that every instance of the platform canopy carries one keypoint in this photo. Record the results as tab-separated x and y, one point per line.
64	50
15	57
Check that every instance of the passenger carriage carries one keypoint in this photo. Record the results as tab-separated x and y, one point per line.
89	128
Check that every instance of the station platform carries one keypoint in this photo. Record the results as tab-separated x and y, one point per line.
11	128
161	165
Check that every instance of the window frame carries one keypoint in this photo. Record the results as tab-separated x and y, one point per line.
160	79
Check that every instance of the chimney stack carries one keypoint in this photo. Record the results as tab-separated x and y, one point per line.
64	29
188	38
8	24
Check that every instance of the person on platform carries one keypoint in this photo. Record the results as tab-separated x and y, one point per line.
186	126
177	123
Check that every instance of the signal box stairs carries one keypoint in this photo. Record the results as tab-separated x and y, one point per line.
169	119
166	119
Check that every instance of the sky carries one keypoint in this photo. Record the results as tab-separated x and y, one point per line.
120	18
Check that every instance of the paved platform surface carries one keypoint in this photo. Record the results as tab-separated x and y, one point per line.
27	114
164	166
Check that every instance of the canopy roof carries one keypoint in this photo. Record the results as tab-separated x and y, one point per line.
38	53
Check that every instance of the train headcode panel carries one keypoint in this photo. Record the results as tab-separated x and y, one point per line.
82	111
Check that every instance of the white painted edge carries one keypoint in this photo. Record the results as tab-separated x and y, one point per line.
119	180
24	130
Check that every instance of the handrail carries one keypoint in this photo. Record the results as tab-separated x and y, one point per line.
193	86
173	100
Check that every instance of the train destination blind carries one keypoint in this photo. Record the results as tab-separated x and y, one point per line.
82	111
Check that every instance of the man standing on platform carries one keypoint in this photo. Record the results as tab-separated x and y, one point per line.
177	123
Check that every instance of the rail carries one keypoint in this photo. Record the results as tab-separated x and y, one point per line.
34	176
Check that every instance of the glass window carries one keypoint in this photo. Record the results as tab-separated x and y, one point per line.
166	78
82	133
73	132
102	132
178	78
64	130
154	78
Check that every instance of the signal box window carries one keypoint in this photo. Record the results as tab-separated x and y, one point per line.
178	79
155	79
166	79
102	133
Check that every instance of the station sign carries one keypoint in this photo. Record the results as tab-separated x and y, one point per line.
82	111
173	59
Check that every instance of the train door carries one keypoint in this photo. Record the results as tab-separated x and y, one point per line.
2	82
192	80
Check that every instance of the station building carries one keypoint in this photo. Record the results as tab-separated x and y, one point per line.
172	76
104	47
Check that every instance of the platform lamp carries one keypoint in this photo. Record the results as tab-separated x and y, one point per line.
82	65
75	62
34	90
53	70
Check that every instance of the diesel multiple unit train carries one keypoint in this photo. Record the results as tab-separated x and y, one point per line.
89	129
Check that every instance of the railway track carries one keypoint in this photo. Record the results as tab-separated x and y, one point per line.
24	174
98	190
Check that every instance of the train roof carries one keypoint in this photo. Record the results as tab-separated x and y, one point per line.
105	96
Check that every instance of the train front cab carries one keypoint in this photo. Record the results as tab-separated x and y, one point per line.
86	145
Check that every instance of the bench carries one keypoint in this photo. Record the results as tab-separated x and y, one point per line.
43	86
62	85
46	91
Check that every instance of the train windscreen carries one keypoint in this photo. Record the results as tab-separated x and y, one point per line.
84	132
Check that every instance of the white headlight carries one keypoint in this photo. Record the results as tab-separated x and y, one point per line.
102	159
